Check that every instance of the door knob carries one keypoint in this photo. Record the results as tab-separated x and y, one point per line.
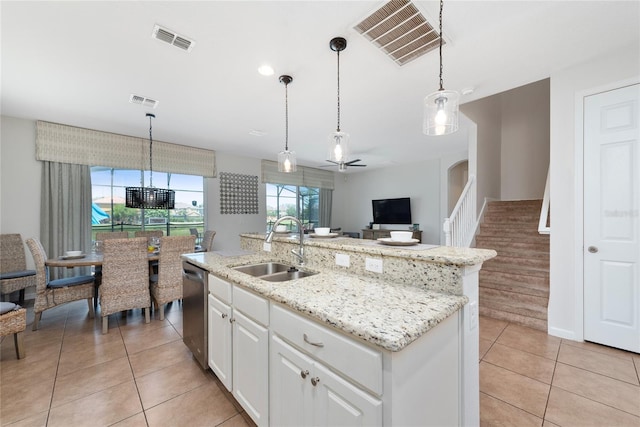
592	249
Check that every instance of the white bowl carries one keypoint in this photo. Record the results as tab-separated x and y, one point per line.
73	253
322	231
281	228
401	236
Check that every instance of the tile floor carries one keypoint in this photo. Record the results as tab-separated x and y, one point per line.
142	375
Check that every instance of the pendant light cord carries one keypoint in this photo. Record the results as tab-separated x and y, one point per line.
286	117
338	127
441	6
150	151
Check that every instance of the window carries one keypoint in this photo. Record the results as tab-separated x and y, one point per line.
301	202
108	196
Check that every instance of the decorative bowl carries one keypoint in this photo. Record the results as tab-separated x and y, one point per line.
322	231
401	236
73	253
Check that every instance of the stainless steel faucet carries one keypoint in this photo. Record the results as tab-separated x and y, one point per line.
298	253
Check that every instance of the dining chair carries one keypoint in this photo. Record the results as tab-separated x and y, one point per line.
149	233
13	320
207	241
51	293
125	278
102	236
166	286
14	275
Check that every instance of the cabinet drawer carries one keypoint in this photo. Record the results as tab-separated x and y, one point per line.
352	359
251	305
220	288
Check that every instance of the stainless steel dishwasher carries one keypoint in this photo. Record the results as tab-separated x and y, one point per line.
194	311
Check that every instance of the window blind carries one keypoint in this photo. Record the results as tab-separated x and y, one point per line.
69	144
303	176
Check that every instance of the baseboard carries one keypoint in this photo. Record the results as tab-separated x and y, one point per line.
562	333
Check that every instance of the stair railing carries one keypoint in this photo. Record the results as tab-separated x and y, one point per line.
459	228
543	228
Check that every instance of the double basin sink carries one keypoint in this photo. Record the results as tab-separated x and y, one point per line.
273	271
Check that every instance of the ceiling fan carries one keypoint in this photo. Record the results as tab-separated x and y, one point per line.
342	166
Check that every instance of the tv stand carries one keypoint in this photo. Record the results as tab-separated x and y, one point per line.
368	233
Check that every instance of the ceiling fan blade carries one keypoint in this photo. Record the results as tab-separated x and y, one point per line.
331	161
352	162
360	166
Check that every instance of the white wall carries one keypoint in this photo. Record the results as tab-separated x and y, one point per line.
568	87
419	181
524	154
20	175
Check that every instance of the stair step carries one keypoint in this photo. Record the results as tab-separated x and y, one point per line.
517	264
515	203
515	226
530	322
509	252
535	306
531	242
508	232
511	219
534	278
520	288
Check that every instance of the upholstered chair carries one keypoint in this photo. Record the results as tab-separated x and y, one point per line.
14	275
166	286
125	278
51	293
207	241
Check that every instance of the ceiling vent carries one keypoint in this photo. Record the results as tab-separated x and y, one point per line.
172	38
400	31
141	100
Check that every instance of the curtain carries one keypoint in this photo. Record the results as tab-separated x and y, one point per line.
325	202
65	212
303	176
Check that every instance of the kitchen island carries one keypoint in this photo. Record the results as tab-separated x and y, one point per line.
389	348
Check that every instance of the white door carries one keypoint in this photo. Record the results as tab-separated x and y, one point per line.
612	218
251	367
220	340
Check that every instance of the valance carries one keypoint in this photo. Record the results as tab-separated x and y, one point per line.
303	176
69	144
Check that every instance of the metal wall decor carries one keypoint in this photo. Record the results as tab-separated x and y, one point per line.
238	193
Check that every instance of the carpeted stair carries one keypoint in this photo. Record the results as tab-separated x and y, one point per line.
514	286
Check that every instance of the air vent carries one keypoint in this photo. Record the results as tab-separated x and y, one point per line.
141	100
172	38
400	31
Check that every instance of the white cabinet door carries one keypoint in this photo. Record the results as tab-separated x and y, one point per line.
251	367
220	340
339	403
290	386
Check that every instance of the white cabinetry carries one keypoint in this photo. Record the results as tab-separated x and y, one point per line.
239	345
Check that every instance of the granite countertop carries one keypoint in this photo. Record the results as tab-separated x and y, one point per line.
385	314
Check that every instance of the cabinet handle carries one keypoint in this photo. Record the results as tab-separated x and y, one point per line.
304	374
315	381
317	344
231	320
224	315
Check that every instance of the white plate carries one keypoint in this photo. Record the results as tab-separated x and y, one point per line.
73	256
389	241
327	236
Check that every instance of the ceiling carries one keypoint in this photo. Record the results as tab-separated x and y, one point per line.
77	63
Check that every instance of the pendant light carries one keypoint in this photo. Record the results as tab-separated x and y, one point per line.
286	158
441	107
150	197
338	140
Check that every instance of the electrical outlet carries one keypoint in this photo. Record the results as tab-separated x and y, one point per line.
373	264
342	259
266	247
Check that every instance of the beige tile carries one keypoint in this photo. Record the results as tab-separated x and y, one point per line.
238	420
91	356
520	391
102	408
134	324
636	361
530	340
619	394
90	380
159	357
178	327
600	363
138	342
569	409
206	405
21	372
19	401
521	362
495	412
138	420
490	328
81	342
599	348
248	419
31	420
485	345
549	424
169	382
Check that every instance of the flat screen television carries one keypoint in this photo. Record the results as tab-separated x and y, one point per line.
392	211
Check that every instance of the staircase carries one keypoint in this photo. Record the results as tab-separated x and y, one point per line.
514	286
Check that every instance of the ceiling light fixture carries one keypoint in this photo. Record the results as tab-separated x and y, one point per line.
441	107
286	158
338	140
150	197
266	70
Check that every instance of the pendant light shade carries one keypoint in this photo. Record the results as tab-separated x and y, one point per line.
441	107
286	158
338	140
149	197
